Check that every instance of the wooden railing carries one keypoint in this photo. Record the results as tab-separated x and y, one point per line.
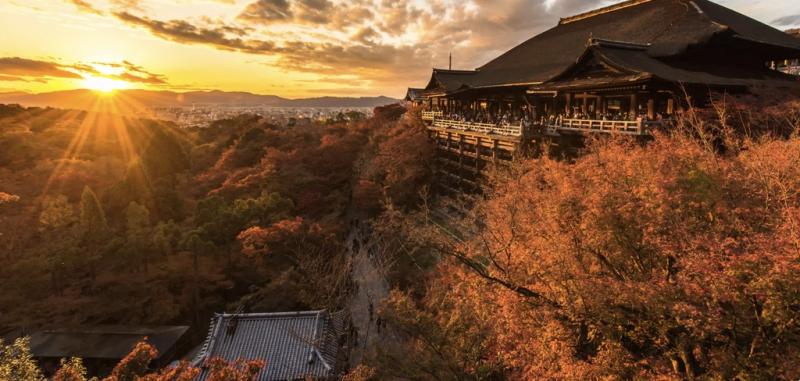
501	129
628	127
431	115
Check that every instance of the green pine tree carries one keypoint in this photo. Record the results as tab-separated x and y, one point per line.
94	230
93	217
140	241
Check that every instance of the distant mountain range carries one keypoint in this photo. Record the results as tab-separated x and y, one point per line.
87	99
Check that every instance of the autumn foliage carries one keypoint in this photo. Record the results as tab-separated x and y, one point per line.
397	165
17	364
113	220
668	260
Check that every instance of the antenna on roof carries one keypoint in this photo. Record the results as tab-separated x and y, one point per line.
451	61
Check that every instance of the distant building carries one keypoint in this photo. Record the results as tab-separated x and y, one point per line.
102	346
294	345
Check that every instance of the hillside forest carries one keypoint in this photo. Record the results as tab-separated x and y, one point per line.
674	258
114	220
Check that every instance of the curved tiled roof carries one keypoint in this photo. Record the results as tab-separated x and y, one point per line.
668	27
413	94
450	80
294	345
634	65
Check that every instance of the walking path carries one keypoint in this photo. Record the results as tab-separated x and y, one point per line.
370	291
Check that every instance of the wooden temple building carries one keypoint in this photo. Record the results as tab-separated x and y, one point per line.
626	68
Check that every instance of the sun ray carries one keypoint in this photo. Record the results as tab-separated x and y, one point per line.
108	119
75	147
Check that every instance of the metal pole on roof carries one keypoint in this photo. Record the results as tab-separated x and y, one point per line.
451	61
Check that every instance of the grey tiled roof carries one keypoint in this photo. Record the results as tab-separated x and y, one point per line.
294	345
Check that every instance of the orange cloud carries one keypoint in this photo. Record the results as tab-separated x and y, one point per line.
29	70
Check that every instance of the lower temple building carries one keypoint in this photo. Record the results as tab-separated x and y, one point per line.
293	345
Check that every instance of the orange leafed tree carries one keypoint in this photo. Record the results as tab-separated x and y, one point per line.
135	367
240	370
664	261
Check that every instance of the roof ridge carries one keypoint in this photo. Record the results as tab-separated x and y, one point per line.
314	349
618	44
453	71
600	11
271	314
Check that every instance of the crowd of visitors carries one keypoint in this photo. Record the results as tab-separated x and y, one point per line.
520	120
484	117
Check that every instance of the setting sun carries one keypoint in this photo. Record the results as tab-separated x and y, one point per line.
102	84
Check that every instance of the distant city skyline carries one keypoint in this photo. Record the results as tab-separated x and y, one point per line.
290	48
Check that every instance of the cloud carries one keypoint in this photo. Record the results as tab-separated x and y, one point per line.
28	70
128	4
11	78
85	6
785	21
266	11
331	57
184	32
120	5
32	68
377	43
381	43
126	71
297	11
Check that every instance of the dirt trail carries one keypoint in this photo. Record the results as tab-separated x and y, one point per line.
371	289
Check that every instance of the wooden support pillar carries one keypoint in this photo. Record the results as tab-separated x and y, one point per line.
670	106
585	105
603	105
460	151
634	106
494	152
478	142
568	107
449	141
651	108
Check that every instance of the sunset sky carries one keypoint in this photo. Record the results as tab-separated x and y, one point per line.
292	48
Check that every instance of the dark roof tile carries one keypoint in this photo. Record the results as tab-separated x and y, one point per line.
294	345
102	341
